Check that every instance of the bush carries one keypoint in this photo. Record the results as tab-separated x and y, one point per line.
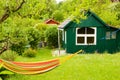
30	53
33	37
51	35
18	41
42	28
8	55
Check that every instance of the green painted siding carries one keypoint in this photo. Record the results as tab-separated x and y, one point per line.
90	21
102	44
118	40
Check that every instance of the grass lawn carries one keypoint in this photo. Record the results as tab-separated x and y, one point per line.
80	67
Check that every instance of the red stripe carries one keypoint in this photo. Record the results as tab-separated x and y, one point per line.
48	67
0	61
32	70
32	64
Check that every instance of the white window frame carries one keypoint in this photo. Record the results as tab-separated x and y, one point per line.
85	36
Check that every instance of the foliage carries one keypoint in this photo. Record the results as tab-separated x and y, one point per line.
51	35
30	53
58	15
8	55
38	9
33	37
19	41
42	28
14	30
4	72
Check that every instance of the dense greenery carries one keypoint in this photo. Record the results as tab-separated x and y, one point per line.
30	53
4	72
9	55
52	37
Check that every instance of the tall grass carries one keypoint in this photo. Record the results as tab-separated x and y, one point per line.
80	67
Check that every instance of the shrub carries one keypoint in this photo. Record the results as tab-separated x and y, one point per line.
42	28
4	72
8	55
18	41
33	37
30	53
51	35
58	15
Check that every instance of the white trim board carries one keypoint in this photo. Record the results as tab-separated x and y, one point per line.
85	36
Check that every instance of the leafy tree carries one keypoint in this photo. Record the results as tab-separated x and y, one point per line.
42	28
18	41
8	7
58	15
33	37
51	35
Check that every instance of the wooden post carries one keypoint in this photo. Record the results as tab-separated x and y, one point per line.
59	41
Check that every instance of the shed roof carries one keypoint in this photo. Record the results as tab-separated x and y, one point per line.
62	25
51	21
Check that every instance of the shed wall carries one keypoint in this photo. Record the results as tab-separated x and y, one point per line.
102	44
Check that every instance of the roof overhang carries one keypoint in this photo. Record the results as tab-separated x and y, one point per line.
63	25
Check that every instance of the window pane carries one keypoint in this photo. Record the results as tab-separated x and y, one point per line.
107	35
90	31
113	35
80	40
81	31
90	40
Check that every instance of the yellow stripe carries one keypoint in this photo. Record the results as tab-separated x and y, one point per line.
9	64
29	72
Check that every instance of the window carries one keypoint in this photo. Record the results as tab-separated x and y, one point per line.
113	36
86	36
107	35
110	35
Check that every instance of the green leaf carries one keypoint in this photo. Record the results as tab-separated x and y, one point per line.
6	72
0	78
1	65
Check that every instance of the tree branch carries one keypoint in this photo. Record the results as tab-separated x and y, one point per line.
3	49
20	6
5	15
7	11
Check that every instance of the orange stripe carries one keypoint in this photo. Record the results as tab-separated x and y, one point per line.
40	69
29	68
30	64
0	61
32	72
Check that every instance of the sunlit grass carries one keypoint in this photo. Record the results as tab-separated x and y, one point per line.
43	54
80	67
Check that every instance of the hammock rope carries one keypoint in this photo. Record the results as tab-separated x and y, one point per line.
34	67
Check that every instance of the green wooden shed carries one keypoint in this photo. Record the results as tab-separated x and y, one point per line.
91	35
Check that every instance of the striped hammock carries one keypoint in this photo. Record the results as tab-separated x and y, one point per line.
34	67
